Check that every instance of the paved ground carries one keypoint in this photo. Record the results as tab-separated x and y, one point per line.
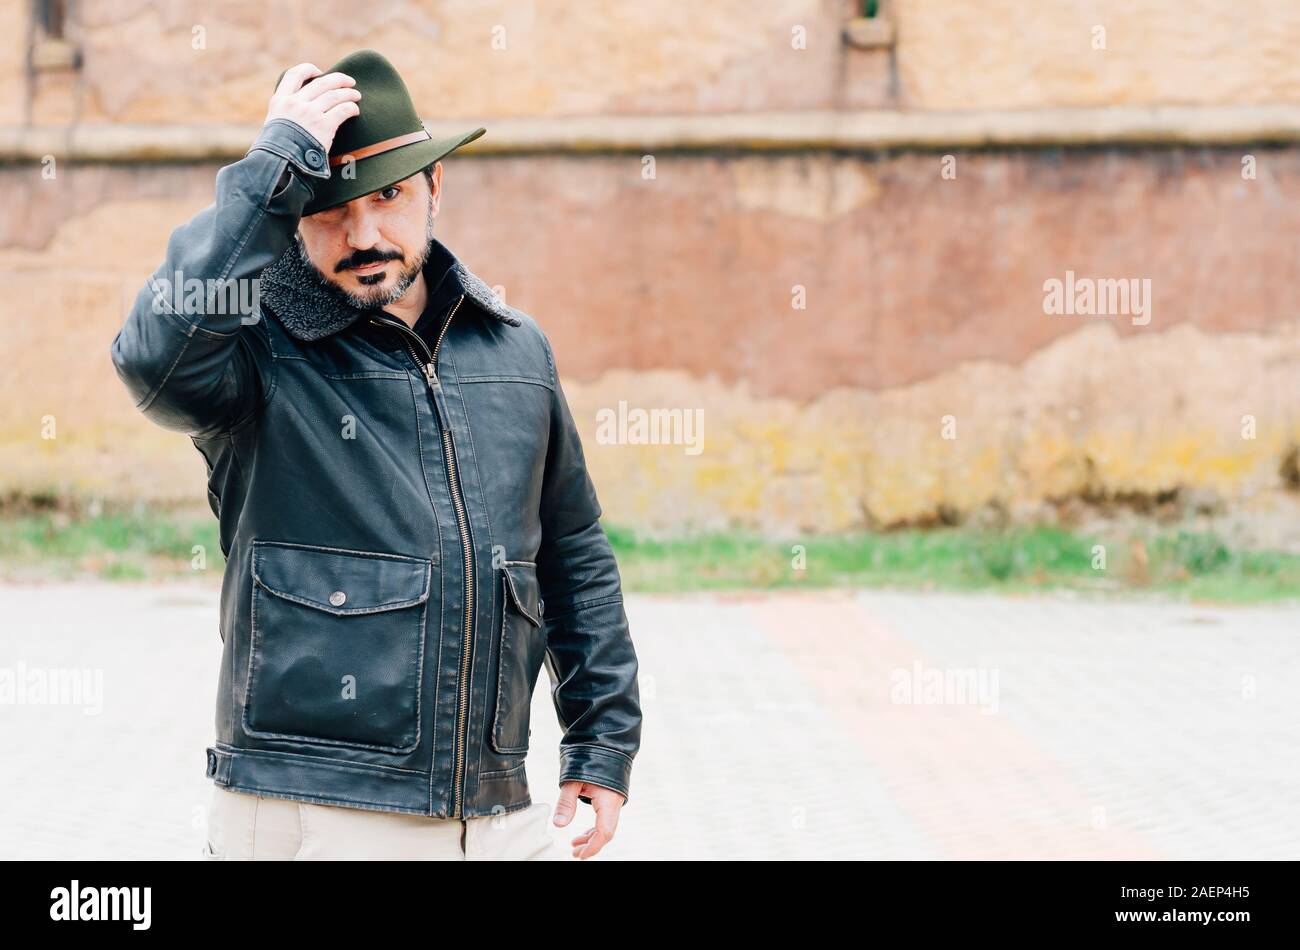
809	725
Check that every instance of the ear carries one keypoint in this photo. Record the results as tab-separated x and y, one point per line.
435	186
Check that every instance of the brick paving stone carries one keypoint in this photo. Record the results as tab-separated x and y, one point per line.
1119	728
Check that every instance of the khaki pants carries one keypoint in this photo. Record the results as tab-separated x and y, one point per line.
247	827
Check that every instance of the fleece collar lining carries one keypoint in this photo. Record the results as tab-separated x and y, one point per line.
310	309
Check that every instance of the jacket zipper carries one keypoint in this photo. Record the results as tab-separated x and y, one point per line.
430	368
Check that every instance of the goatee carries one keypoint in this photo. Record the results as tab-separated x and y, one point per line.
378	298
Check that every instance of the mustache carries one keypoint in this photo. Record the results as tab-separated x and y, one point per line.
368	256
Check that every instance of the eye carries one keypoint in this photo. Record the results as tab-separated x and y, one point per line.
389	193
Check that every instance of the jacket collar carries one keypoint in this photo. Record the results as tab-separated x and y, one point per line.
310	309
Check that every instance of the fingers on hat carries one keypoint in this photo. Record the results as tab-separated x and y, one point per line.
332	97
295	76
326	83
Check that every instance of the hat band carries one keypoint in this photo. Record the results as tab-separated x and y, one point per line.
386	145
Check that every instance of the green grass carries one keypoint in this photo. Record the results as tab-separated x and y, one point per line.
144	544
1195	565
116	546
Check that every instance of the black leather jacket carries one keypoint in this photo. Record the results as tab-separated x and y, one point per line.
409	532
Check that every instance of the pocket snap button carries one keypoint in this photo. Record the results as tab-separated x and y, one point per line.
338	598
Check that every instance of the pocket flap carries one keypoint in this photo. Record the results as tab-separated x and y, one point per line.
339	581
521	581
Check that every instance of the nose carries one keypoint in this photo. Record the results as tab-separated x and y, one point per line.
363	239
363	232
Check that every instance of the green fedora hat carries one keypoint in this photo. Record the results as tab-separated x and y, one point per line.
382	145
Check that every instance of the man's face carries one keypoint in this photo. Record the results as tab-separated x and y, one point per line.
373	247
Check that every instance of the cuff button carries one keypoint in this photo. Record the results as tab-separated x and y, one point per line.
313	158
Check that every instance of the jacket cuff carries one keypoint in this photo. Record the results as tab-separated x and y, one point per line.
293	143
597	765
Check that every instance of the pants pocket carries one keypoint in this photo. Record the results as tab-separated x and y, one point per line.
523	835
243	826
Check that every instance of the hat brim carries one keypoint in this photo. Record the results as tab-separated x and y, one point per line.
379	171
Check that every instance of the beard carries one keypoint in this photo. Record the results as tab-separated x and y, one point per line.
379	297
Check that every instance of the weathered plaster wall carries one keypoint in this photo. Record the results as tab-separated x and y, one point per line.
921	295
924	299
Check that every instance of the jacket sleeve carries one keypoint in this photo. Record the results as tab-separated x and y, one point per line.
588	645
193	351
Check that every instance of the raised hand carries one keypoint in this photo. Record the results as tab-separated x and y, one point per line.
320	105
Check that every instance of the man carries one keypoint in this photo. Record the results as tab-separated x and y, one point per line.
409	528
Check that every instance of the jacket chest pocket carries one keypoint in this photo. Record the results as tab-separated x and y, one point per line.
337	646
520	652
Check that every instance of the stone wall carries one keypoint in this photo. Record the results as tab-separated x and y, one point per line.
864	331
